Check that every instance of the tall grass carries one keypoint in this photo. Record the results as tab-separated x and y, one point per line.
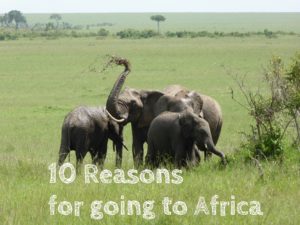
42	80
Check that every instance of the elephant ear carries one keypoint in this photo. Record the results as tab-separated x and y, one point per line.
187	124
197	102
149	99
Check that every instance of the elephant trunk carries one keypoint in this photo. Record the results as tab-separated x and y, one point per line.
212	148
112	105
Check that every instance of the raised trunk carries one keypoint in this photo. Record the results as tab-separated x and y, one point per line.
112	101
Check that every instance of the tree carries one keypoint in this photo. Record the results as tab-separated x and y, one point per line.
17	17
103	32
56	17
158	19
49	26
5	20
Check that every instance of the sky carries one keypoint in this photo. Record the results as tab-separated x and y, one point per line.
71	6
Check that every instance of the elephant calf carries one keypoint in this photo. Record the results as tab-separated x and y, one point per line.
172	136
87	129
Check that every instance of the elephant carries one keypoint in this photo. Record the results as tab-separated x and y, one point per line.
140	107
87	129
211	110
172	136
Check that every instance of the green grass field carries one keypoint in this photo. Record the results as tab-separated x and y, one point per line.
42	80
226	22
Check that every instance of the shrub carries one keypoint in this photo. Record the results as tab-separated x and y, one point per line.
103	32
269	34
268	110
2	37
135	34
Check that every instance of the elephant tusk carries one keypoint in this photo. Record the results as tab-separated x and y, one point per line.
113	118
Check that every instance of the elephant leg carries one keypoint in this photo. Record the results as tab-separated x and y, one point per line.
197	156
139	138
152	160
63	153
119	155
102	153
79	159
94	156
180	158
119	148
138	153
190	158
81	150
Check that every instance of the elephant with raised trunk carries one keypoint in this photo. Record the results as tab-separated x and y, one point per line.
171	138
87	129
140	107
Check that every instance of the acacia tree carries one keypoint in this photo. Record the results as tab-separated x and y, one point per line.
158	19
5	20
17	17
56	17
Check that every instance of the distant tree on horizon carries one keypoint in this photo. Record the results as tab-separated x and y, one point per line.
15	16
158	19
57	17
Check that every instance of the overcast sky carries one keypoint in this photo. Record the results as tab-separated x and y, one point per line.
29	6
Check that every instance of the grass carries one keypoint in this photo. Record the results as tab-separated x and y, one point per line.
226	22
41	80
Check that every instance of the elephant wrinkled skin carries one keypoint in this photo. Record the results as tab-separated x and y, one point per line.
140	107
171	138
87	129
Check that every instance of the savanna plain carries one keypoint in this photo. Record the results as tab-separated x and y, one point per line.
42	80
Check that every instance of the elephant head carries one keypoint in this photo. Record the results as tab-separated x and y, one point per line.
131	105
197	128
211	110
194	101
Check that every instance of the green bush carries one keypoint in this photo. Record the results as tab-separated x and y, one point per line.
269	34
268	145
103	32
269	112
136	34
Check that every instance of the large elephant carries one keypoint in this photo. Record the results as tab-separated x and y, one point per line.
87	129
171	137
140	107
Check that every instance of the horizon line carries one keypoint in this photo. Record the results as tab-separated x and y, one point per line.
139	12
